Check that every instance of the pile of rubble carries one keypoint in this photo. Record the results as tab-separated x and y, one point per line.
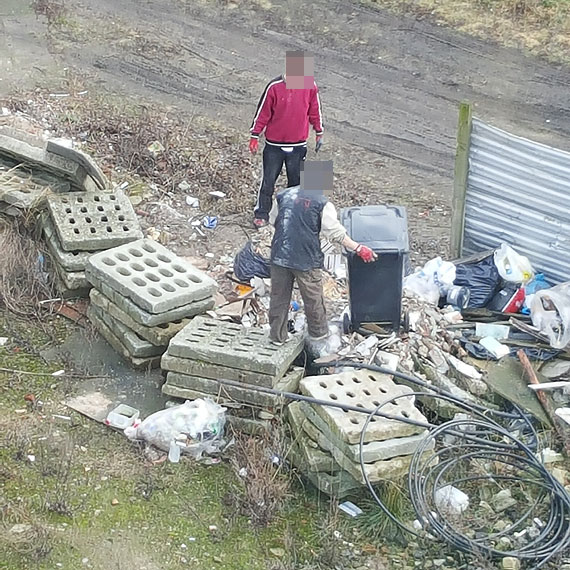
78	224
143	295
206	350
326	440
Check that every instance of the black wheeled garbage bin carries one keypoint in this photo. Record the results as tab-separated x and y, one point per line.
375	289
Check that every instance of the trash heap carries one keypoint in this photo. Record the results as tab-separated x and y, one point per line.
206	350
143	295
31	168
326	440
78	224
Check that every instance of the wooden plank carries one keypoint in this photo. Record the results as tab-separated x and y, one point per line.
562	429
460	178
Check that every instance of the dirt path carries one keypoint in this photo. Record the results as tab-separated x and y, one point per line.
390	85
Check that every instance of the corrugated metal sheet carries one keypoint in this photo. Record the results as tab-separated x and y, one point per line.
518	192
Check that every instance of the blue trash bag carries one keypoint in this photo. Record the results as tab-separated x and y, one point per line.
249	264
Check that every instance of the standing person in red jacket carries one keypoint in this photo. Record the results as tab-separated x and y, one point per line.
288	104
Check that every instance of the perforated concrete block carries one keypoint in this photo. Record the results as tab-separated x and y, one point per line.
214	371
148	319
137	346
367	390
151	276
68	260
289	383
93	221
303	414
234	346
158	335
107	334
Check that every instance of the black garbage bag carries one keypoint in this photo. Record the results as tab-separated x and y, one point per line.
248	264
481	278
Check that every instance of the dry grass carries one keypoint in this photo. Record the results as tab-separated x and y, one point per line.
265	487
540	26
23	282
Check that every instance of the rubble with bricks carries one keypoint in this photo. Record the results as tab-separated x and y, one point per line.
143	295
207	350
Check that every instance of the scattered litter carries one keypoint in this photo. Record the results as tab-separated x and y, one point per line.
451	499
60	417
192	201
156	147
212	528
31	458
184	186
350	509
500	332
366	346
550	313
548	455
217	194
512	266
497	349
210	222
242	472
122	416
115	502
58	373
3	340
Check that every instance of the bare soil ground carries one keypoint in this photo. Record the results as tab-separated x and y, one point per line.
390	84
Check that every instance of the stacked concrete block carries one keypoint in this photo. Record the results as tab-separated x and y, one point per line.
207	350
326	440
142	296
78	224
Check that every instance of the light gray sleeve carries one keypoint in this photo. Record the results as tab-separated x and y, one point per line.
273	213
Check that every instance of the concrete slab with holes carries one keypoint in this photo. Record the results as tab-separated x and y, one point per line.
176	383
234	346
159	335
151	276
114	341
93	221
363	389
302	414
137	346
144	317
68	260
214	371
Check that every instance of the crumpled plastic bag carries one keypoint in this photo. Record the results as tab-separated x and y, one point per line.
550	312
196	426
481	278
249	264
512	266
432	281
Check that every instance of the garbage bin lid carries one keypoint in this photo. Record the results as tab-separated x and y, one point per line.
378	227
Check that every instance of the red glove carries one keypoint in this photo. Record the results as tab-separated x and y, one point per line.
253	145
365	253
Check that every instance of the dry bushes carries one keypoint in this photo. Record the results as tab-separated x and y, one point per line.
265	486
23	281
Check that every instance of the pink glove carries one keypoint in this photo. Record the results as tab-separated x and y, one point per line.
365	253
253	145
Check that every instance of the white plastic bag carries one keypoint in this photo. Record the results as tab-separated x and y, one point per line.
195	426
550	312
450	499
432	281
512	266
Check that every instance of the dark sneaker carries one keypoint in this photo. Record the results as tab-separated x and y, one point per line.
259	223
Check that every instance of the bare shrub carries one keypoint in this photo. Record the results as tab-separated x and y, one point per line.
265	486
23	283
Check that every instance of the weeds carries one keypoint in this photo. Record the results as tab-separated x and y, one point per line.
265	487
23	283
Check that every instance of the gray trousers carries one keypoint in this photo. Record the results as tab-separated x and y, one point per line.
311	287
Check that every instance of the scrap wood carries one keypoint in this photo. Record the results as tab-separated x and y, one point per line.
549	385
562	429
521	326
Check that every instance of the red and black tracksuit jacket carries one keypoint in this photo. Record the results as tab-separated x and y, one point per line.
285	114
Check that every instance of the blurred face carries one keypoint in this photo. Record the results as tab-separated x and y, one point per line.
317	176
299	71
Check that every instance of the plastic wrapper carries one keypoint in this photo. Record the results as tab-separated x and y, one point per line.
481	278
195	426
512	266
432	281
550	312
249	264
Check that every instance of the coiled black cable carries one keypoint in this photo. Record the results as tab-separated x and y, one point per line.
483	451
